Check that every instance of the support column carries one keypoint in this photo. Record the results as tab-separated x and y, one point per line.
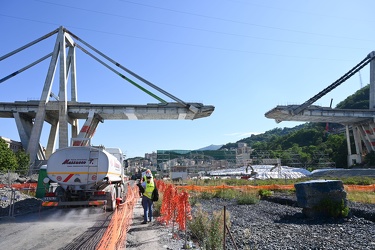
36	131
63	104
365	138
372	85
357	142
73	89
24	127
348	145
52	140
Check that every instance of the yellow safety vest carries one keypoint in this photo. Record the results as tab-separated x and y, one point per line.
149	188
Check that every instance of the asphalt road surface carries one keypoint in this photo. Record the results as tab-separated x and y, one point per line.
56	228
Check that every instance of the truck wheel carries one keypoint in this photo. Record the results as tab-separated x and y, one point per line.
111	202
60	193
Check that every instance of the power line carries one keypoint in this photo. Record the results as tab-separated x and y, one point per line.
181	43
209	17
241	22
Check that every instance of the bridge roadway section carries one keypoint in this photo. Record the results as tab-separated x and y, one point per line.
25	113
360	121
80	110
322	114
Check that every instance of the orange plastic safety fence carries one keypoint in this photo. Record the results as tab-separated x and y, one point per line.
160	185
167	209
20	186
183	209
115	235
244	187
367	188
175	206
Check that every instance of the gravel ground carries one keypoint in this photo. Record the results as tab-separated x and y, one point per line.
22	203
278	223
275	223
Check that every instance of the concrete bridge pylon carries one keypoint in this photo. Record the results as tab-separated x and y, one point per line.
61	113
64	62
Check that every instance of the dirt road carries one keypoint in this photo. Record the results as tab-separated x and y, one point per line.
78	228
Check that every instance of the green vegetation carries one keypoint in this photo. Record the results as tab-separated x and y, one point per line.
359	100
10	161
242	198
227	194
247	199
307	146
360	196
208	229
157	205
241	182
333	208
265	193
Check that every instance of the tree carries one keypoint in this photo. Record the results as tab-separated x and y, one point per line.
23	161
337	149
8	160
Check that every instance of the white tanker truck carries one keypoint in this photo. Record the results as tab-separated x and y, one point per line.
85	175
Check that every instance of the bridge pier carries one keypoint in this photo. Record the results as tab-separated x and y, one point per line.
31	115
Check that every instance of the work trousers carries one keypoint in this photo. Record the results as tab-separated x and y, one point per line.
147	208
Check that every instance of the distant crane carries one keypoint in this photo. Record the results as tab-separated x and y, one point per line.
360	78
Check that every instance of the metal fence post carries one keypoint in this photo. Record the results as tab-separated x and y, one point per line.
224	228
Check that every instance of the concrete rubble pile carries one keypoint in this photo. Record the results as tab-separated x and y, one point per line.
15	202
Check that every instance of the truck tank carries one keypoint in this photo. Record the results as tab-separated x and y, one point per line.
82	167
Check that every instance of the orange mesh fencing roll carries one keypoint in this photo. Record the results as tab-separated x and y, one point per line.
115	235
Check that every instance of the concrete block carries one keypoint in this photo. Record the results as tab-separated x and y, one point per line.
314	195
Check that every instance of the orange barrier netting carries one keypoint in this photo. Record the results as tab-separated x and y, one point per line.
29	186
33	186
367	188
183	209
115	235
175	206
243	188
167	206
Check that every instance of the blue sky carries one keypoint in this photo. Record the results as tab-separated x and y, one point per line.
244	57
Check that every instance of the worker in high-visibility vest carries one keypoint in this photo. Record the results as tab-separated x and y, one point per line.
147	202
